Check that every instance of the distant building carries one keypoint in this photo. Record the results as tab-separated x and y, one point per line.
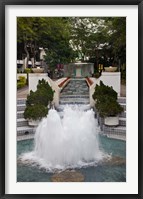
21	64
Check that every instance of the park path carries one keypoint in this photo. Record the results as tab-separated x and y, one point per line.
123	90
22	92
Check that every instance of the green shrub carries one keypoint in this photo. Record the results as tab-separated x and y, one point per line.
97	75
21	82
41	98
27	70
102	91
35	112
22	79
20	85
106	101
44	87
109	107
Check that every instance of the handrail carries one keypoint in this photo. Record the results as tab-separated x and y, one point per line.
62	83
89	81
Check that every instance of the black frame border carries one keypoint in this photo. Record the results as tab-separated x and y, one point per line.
3	3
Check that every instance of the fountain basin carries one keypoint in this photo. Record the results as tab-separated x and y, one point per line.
112	170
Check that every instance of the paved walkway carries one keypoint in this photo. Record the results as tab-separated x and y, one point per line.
123	90
22	92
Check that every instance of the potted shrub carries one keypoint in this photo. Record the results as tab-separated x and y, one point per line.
35	113
38	103
106	104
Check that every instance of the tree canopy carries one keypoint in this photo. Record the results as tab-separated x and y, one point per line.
95	39
99	38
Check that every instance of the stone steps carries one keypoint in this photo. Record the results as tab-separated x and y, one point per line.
122	121
20	114
21	107
22	122
123	114
124	106
121	100
74	102
25	137
74	96
76	92
21	101
69	92
70	102
119	130
22	125
24	130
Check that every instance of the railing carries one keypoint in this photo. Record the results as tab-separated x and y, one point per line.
89	81
63	82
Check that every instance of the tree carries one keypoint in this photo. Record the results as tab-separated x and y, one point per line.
117	37
51	33
96	38
27	36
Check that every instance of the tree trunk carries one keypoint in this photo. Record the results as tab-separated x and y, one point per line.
33	53
33	62
27	54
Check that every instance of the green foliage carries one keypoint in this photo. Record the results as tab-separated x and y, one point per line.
109	107
21	82
96	38
44	87
27	70
43	94
52	33
101	39
35	112
42	97
97	75
20	85
22	79
106	100
104	90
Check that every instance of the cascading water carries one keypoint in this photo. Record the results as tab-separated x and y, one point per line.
68	142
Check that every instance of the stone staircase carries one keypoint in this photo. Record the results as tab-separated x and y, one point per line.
76	92
118	132
23	129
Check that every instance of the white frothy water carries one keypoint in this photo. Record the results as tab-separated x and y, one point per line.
68	142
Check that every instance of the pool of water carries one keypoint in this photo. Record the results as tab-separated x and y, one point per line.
113	171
